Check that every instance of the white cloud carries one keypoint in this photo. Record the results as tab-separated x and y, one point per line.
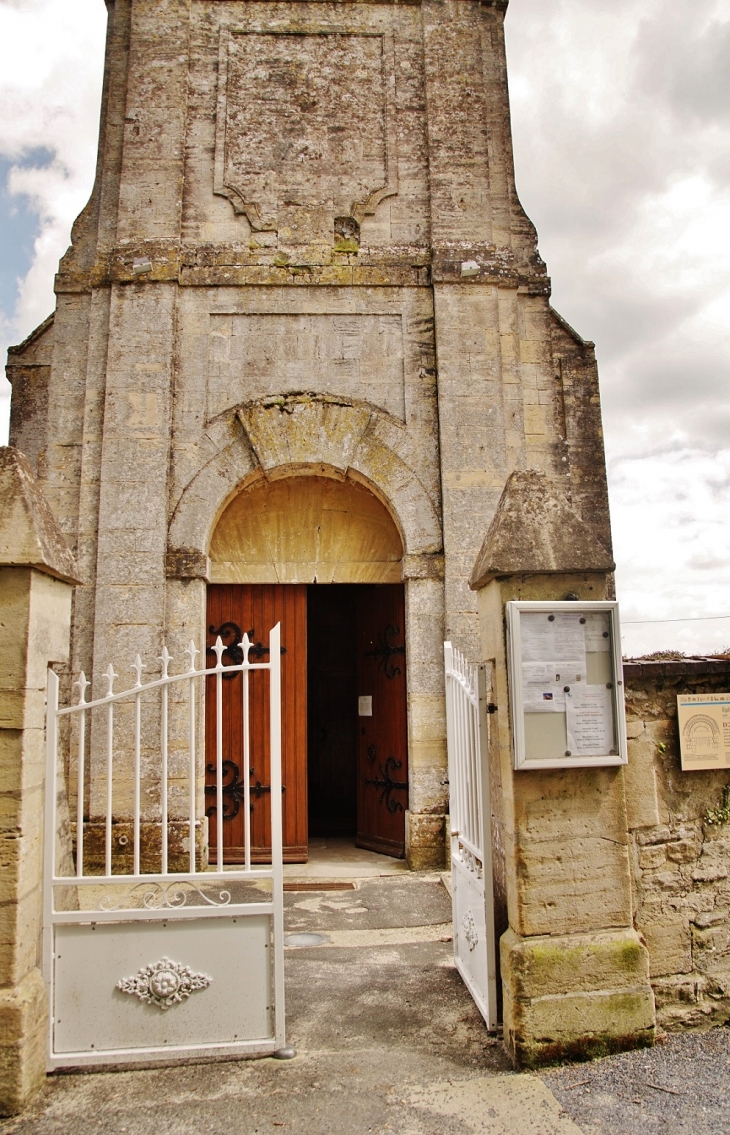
672	544
51	63
622	136
622	144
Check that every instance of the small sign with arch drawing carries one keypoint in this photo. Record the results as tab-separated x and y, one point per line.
704	730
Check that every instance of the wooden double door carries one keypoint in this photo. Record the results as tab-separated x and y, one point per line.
344	729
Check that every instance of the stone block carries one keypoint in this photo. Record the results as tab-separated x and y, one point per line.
575	996
581	883
658	835
23	1035
642	800
711	949
710	918
20	936
709	873
675	990
692	1003
548	966
683	851
669	943
667	881
652	857
425	841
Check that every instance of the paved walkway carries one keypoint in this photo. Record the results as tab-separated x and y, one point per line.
389	1041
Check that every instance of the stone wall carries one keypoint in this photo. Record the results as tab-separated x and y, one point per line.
304	254
36	576
29	370
680	862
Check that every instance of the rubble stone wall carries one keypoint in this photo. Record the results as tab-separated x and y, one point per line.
680	862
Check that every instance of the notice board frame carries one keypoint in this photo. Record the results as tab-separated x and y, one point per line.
514	611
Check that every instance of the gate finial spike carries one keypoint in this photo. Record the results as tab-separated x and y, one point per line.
165	658
245	645
109	676
82	683
191	652
138	666
219	648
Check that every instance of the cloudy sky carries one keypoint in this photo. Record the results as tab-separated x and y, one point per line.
621	114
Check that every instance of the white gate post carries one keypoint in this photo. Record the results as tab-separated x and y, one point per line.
277	840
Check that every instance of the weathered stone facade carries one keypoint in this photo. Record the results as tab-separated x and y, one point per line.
611	887
574	970
680	861
37	573
304	253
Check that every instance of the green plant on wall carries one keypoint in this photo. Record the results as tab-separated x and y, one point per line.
721	814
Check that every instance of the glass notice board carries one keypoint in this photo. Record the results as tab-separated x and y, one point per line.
566	685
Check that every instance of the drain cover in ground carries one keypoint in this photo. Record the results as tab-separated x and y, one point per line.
305	939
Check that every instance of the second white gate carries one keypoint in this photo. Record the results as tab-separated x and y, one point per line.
471	842
151	951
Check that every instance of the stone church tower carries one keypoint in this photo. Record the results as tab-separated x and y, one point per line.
303	337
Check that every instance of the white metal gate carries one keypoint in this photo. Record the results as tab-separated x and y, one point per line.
145	964
471	842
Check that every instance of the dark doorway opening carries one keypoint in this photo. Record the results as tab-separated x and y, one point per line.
357	763
344	719
332	709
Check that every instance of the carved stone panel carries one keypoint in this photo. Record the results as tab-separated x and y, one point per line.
355	356
305	129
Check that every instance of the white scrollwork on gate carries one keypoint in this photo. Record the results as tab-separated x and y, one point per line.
156	896
469	859
164	983
470	930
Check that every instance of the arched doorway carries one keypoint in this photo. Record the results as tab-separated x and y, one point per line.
323	557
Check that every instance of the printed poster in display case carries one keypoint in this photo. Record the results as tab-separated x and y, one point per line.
566	684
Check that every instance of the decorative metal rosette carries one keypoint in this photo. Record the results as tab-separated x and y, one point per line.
470	930
164	983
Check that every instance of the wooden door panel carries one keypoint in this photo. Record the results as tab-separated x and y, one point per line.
382	737
257	608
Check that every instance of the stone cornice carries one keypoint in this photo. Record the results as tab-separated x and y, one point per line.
228	265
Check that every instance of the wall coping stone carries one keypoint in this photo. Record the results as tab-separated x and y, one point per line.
639	669
29	532
535	531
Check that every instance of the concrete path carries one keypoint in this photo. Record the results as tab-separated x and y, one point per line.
388	1038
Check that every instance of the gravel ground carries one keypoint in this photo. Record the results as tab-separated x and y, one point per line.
391	1043
680	1087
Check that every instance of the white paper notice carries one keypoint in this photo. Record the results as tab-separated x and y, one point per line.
597	636
589	721
544	683
546	636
